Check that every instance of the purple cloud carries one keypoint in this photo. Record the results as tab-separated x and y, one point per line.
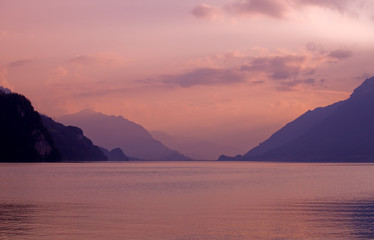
83	60
285	70
20	63
279	9
340	54
286	86
277	67
206	76
340	5
97	59
270	8
205	11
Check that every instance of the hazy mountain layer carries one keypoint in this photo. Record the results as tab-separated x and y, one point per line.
116	131
195	148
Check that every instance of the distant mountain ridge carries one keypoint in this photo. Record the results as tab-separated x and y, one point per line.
116	131
193	147
341	132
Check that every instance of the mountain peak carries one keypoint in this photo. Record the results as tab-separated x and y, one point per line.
5	90
365	90
341	132
86	111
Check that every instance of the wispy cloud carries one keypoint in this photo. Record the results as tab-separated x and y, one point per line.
283	70
270	8
4	79
97	59
278	67
286	70
286	86
339	5
20	63
57	74
282	9
205	77
206	11
340	54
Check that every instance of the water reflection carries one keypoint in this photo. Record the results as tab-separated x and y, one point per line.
42	221
343	220
16	219
186	201
363	220
305	220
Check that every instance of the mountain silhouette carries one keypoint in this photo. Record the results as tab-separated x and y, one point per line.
115	154
194	147
71	142
115	131
23	137
341	132
27	136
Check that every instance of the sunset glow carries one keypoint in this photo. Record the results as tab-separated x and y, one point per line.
228	71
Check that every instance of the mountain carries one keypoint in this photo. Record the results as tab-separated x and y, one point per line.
27	136
115	154
116	131
71	142
195	148
341	132
5	90
23	138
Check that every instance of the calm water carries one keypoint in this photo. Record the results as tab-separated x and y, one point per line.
186	201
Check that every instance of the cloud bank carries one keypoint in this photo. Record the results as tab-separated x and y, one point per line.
279	9
286	70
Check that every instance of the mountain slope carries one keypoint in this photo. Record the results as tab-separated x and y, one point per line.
294	129
195	148
71	142
116	131
23	137
342	132
115	154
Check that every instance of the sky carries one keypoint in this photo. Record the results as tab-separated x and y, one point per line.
229	71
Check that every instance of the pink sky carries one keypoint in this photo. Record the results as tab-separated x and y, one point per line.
231	71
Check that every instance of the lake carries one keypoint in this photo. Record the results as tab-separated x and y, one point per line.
186	201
